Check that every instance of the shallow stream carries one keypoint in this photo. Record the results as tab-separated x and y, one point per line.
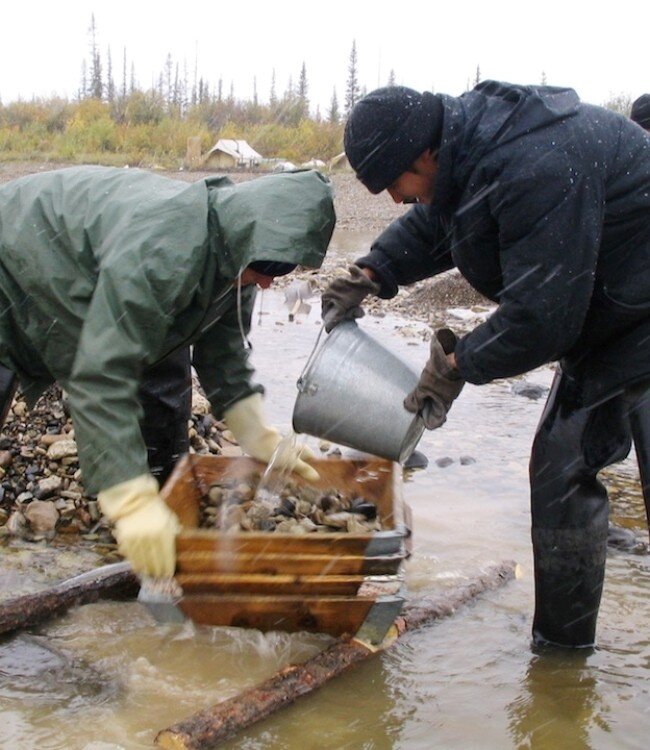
105	677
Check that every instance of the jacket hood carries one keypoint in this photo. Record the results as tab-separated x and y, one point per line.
288	218
486	118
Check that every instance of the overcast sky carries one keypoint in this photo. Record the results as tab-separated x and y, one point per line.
598	48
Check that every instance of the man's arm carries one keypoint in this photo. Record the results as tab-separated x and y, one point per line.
221	358
221	361
416	246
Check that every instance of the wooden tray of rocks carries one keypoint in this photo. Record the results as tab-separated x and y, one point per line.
338	573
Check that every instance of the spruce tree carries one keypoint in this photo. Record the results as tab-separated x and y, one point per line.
352	93
83	86
96	87
123	91
303	100
110	83
168	92
273	97
333	114
195	95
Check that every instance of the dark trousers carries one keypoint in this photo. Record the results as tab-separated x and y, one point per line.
166	397
570	507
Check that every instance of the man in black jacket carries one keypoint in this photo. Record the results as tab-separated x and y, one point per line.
543	204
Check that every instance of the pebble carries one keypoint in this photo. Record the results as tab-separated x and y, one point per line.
444	462
50	438
47	487
200	404
71	495
17	525
529	390
62	449
41	515
417	460
20	408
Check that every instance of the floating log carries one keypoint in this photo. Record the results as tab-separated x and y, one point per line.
208	728
114	581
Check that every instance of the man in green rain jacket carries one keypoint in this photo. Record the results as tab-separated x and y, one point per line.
106	272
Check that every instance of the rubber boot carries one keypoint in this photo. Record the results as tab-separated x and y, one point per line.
570	512
8	387
569	575
166	397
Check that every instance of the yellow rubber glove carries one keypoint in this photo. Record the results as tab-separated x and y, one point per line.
145	528
246	422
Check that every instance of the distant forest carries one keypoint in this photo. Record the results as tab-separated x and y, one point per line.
118	122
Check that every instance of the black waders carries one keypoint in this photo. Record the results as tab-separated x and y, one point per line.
569	504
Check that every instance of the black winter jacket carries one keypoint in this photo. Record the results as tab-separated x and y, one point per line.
543	204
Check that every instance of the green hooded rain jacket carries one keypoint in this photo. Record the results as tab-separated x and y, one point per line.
104	272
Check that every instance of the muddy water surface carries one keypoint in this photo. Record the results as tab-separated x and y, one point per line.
106	678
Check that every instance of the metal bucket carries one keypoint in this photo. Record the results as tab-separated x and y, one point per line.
351	393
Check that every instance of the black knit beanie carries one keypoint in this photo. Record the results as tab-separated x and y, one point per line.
271	268
641	111
388	130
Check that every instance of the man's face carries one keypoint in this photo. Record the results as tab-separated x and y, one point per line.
252	277
417	184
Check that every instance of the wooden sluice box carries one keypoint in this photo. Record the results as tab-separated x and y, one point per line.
331	582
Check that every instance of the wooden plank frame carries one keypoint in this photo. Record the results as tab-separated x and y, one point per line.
274	581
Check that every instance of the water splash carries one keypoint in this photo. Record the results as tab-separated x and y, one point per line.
278	471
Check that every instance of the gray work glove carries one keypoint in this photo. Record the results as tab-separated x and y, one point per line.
439	383
343	297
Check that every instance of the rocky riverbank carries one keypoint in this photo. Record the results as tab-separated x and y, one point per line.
42	495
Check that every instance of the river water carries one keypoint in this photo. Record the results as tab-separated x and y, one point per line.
105	677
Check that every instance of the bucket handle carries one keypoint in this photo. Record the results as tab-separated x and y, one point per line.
300	383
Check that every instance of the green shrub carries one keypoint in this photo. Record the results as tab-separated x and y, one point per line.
142	129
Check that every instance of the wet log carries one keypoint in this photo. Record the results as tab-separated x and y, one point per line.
208	728
116	581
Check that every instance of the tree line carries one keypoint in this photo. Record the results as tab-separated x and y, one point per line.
175	94
117	121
